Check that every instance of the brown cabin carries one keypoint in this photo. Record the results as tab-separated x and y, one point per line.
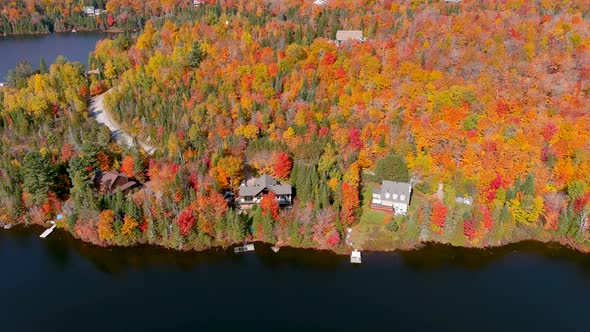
111	181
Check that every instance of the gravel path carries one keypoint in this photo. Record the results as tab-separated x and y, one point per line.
103	117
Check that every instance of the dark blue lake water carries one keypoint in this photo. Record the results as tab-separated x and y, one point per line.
74	46
63	284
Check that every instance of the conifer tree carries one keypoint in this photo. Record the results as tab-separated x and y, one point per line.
393	168
196	56
38	176
43	67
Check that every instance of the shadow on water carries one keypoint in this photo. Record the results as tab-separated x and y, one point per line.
61	245
434	255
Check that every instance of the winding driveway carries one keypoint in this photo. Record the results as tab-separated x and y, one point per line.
102	116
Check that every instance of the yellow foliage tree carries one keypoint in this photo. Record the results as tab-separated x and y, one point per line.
233	168
105	225
129	225
248	131
528	209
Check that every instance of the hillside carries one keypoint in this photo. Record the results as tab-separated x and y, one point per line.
487	98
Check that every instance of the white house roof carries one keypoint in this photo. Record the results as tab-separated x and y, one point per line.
397	192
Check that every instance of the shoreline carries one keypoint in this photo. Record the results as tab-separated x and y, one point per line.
43	33
340	251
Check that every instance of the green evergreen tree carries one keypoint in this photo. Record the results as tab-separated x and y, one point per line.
43	66
196	55
17	78
133	210
393	168
81	192
528	187
268	228
38	176
294	232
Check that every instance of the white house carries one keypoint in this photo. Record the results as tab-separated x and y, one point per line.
343	36
89	10
464	200
392	195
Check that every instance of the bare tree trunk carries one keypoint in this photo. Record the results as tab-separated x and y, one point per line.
583	221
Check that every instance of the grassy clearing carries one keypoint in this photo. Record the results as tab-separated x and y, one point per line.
372	233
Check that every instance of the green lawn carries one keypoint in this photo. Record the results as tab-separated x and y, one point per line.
371	225
371	231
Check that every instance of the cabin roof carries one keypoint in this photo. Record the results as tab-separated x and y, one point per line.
112	180
264	182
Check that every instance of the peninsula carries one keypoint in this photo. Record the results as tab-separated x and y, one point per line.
291	122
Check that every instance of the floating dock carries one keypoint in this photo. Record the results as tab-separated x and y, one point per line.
248	247
355	257
49	230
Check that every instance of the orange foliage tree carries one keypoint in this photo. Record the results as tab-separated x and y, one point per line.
282	165
270	205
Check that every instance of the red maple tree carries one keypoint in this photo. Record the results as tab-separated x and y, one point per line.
270	205
350	201
439	214
127	166
185	221
469	229
282	165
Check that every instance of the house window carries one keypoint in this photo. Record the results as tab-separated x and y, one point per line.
394	196
402	197
387	195
248	198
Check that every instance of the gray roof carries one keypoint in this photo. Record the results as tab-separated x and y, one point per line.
398	192
264	182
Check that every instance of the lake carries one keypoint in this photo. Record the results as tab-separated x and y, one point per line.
74	46
65	285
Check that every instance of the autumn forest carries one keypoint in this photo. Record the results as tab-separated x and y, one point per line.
483	99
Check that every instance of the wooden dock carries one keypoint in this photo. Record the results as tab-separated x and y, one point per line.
49	230
248	247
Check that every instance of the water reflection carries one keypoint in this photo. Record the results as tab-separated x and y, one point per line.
60	246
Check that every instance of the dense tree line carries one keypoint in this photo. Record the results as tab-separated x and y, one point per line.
488	98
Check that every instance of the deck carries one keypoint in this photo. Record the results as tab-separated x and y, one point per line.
382	208
355	257
248	247
49	230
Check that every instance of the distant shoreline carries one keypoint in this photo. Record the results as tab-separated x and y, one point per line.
41	33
